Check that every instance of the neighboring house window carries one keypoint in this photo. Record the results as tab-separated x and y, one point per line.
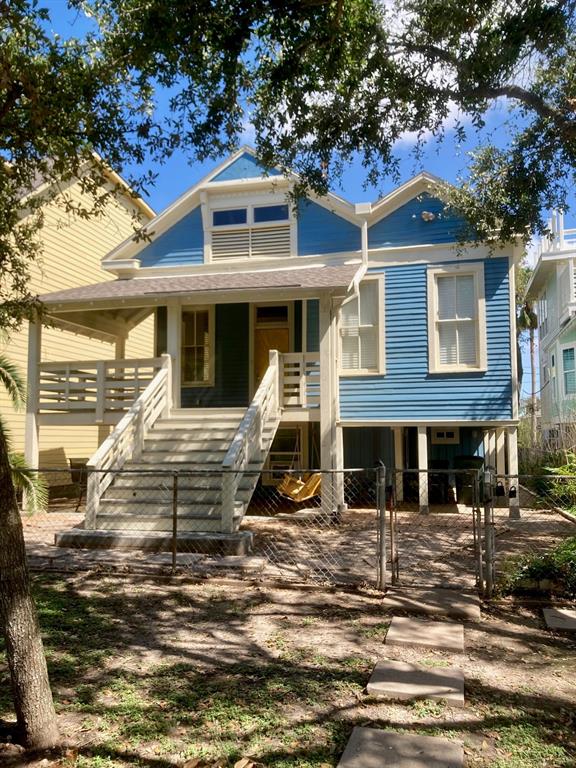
456	319
197	347
251	232
543	315
362	330
569	370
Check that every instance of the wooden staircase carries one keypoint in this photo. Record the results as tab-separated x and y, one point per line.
194	443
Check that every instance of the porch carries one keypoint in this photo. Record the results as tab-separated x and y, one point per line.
85	392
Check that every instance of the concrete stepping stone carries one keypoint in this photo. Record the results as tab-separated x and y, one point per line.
400	680
560	618
373	748
442	635
433	602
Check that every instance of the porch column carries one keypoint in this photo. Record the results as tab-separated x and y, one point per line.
399	462
514	507
31	450
500	454
423	465
332	495
120	348
490	449
173	333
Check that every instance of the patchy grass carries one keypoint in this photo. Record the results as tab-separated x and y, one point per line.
149	676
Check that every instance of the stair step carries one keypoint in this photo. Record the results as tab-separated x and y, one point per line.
185	435
177	445
144	507
160	495
190	457
118	522
186	483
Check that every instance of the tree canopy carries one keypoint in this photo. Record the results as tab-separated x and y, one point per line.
323	82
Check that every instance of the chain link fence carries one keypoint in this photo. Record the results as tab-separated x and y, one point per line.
294	526
373	527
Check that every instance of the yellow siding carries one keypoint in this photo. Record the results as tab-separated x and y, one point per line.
73	249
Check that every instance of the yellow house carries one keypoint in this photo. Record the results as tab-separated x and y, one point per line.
73	248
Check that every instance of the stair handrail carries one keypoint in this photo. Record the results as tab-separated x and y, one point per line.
247	443
126	440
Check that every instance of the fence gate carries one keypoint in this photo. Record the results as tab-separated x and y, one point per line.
438	529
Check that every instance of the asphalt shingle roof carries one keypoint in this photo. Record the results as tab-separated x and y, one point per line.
321	277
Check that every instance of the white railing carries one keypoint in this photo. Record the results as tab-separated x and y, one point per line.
127	439
98	387
300	377
560	238
261	417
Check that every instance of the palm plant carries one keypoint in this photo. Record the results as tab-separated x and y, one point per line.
26	480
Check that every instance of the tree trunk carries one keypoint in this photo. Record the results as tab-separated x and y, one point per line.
31	692
533	432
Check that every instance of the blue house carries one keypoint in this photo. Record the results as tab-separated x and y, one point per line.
334	335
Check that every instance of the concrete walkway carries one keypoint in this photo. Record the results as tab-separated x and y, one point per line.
374	748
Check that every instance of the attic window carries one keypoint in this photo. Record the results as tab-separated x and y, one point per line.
229	217
254	231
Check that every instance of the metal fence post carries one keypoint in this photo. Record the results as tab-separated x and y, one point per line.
477	528
174	521
381	538
489	530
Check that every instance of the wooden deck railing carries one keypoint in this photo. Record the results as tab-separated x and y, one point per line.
96	387
127	439
260	420
300	380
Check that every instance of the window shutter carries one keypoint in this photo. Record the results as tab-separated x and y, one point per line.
369	348
350	352
465	296
448	347
446	298
231	244
271	242
569	365
467	343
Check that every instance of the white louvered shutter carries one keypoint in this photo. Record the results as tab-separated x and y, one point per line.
457	320
369	325
359	329
350	335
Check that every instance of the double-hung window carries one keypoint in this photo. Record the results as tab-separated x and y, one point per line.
362	330
456	319
569	370
197	347
251	231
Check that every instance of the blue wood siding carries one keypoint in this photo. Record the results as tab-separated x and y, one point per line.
405	225
408	391
231	363
244	167
471	444
313	326
367	446
181	245
321	231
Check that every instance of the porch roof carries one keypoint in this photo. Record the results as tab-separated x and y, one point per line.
150	290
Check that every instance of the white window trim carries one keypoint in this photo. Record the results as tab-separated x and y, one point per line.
570	345
211	343
381	369
436	440
477	271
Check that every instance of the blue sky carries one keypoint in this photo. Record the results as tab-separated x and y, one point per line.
447	159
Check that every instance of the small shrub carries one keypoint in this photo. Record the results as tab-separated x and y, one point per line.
553	571
561	483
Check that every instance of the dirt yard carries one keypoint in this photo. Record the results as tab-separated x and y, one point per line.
153	673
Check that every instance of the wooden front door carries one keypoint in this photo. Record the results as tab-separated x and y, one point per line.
271	331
